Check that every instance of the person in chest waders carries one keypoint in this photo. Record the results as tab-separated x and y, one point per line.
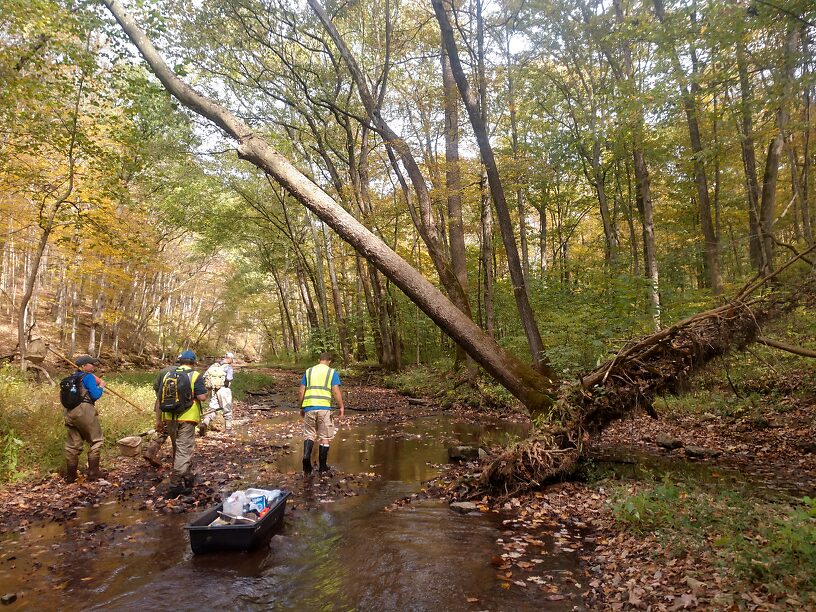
82	421
317	387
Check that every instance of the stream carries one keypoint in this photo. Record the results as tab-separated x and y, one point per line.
348	553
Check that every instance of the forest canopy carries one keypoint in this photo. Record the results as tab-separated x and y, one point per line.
618	165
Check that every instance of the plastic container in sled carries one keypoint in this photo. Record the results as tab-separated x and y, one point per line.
205	538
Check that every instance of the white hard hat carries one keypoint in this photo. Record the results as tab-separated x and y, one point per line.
229	356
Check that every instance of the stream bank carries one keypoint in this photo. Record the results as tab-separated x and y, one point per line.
367	536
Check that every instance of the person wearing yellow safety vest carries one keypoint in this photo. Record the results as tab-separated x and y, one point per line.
179	393
317	387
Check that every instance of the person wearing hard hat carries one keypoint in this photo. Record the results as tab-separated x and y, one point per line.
82	420
179	393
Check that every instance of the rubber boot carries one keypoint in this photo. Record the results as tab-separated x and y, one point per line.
324	456
187	485
174	490
71	471
308	445
94	473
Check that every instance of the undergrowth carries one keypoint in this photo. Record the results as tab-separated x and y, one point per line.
768	545
449	388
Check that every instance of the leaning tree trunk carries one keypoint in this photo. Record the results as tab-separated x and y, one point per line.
524	382
642	370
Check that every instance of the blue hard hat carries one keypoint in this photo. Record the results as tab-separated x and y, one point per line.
188	354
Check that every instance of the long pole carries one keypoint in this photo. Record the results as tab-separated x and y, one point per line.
107	387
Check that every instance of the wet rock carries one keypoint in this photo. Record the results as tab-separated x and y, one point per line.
668	442
463	507
463	453
8	598
699	452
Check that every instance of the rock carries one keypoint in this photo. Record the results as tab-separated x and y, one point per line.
463	453
463	507
8	598
668	442
699	452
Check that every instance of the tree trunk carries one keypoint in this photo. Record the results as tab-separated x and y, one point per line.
428	227
453	188
496	190
487	258
688	94
643	193
342	330
755	250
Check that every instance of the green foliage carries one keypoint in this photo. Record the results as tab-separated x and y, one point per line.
10	446
437	382
247	380
772	544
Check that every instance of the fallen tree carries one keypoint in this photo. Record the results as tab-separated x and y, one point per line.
655	365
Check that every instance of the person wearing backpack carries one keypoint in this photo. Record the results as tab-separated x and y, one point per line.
217	379
78	394
179	393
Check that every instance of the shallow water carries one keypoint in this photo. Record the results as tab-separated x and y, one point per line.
329	554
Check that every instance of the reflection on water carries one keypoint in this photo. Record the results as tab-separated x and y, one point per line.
346	555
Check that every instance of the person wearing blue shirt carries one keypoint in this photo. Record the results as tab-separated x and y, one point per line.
318	386
82	422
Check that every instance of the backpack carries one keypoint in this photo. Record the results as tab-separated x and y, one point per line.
176	391
215	377
71	394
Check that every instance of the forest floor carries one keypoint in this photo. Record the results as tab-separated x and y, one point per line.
630	559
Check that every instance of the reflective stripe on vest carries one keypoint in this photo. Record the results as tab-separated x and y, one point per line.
318	386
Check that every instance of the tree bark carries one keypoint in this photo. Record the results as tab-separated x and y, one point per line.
453	189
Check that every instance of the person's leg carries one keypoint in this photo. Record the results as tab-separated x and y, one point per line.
325	430
96	439
176	477
185	443
208	415
86	422
225	399
73	447
309	435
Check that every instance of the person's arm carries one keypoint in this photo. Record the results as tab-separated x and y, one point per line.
94	390
338	397
301	395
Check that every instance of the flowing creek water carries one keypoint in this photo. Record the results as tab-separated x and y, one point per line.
329	554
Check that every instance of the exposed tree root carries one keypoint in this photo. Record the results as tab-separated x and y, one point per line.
657	364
